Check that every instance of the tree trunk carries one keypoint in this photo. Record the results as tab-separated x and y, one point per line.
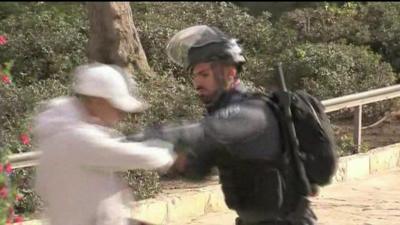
113	37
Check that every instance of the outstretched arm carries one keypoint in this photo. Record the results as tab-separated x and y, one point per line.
100	150
228	127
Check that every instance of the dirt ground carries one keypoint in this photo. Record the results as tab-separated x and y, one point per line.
371	201
385	133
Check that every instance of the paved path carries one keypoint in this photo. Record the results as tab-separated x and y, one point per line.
373	201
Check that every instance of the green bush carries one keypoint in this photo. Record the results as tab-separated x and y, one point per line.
7	188
383	20
375	24
18	104
144	183
24	181
44	42
329	23
333	70
156	24
275	8
11	8
345	145
371	25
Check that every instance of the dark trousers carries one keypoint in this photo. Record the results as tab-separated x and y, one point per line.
241	222
303	215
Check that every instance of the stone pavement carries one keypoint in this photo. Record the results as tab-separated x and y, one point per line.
371	201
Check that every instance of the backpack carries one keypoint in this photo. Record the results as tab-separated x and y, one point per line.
317	147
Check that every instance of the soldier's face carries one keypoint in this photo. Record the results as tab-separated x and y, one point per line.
205	82
210	79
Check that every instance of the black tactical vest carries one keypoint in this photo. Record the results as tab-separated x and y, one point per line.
250	181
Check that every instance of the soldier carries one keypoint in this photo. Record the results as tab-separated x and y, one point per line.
239	134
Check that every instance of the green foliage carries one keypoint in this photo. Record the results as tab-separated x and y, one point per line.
144	183
31	202
156	24
383	20
375	24
10	8
324	24
17	104
345	145
275	8
7	189
333	70
44	43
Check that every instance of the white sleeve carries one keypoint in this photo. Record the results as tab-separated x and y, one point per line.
100	150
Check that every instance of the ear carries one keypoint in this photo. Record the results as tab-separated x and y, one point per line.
231	73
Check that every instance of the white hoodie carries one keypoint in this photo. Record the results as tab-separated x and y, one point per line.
76	173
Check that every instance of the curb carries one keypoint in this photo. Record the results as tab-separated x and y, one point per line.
180	208
364	164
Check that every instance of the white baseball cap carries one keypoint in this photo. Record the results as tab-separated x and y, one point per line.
108	82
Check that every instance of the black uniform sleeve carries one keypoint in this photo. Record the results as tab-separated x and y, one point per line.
228	126
235	124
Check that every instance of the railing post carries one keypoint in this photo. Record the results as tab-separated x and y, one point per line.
357	128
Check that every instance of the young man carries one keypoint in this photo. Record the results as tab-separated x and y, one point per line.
240	134
81	152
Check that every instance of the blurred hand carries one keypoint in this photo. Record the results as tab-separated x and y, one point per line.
180	163
314	191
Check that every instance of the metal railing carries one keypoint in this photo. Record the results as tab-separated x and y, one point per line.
362	98
26	159
357	100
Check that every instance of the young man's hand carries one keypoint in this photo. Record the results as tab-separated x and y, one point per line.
179	164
